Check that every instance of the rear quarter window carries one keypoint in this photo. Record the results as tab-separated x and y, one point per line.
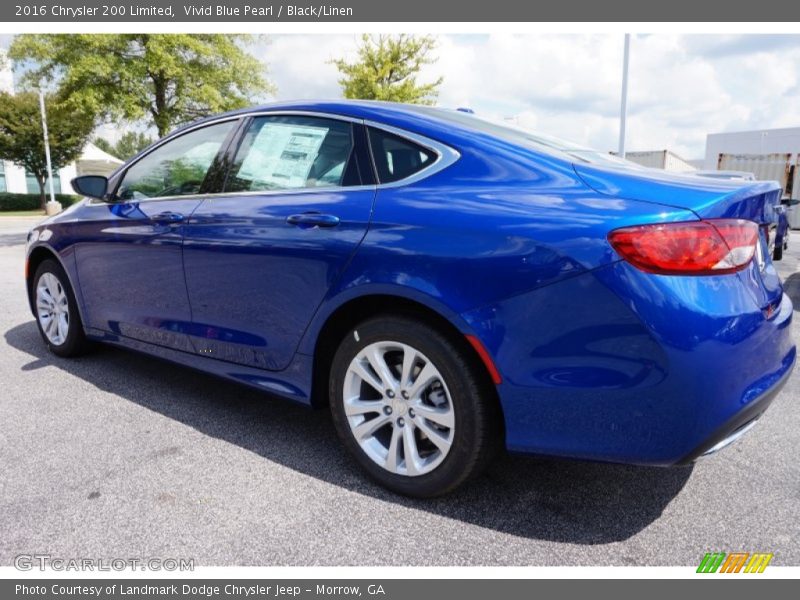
397	158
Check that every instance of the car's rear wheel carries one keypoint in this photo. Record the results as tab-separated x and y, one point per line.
412	407
56	311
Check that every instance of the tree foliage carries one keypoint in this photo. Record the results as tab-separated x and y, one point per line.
387	68
127	146
167	79
22	138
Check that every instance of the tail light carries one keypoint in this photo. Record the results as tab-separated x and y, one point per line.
709	247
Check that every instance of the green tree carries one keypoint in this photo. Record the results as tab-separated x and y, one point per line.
129	145
387	69
104	145
22	138
168	79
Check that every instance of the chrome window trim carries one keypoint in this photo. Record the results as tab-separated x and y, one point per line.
277	113
305	113
445	156
212	195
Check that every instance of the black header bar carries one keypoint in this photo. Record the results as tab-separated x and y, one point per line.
83	11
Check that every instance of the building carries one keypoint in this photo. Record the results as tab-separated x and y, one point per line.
770	154
661	159
14	179
760	141
6	74
697	163
93	161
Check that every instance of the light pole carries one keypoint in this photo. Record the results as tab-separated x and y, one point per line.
46	145
623	109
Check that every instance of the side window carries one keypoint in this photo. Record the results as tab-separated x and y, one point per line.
397	158
294	152
176	168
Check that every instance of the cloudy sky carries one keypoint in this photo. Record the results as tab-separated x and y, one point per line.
681	86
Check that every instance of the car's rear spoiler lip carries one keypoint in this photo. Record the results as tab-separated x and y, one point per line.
706	198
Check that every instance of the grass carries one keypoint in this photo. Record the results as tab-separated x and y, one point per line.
22	213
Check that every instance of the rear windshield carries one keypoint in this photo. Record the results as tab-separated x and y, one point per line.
521	137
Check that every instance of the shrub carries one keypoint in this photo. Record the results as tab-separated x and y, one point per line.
31	201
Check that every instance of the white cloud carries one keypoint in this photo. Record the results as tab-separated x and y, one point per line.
680	87
300	64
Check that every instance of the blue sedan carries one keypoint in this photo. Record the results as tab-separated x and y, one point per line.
447	286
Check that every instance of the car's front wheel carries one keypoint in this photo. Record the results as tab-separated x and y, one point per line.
412	407
56	311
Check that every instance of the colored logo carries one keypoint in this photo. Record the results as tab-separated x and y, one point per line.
735	562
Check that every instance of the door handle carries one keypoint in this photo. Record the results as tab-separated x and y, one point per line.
168	217
313	219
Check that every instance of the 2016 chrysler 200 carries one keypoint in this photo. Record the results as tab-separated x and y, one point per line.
448	285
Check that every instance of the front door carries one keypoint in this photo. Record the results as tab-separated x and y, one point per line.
130	262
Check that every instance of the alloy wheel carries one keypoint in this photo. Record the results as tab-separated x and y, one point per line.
398	408
52	308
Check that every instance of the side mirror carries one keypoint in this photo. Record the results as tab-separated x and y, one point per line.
94	186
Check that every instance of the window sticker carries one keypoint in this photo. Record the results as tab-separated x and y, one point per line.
282	155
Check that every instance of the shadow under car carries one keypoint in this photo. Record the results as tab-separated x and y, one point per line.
548	499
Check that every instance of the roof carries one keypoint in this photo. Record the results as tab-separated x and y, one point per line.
359	109
773	131
457	129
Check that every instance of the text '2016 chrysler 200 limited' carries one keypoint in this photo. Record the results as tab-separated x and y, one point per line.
449	286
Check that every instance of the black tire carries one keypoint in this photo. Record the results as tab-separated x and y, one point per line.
75	342
477	434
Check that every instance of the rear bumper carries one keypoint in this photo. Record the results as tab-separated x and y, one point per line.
622	366
739	424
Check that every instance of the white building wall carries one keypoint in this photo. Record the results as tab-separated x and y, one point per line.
16	182
677	164
660	159
654	159
765	141
15	178
67	174
6	74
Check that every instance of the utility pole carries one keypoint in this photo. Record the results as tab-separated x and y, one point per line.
46	145
623	110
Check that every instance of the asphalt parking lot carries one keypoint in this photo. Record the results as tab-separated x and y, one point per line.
121	455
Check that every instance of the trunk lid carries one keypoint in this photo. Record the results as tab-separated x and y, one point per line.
708	199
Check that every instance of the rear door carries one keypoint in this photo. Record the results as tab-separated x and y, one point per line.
260	257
